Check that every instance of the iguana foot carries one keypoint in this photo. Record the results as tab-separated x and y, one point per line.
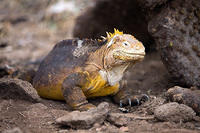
144	98
129	101
124	99
185	96
133	101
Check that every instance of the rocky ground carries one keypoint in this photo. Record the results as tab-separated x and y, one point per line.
28	31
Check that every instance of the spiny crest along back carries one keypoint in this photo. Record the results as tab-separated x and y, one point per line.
111	35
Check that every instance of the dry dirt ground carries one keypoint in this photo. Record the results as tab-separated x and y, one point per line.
27	36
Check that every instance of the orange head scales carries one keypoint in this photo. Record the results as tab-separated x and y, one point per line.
123	48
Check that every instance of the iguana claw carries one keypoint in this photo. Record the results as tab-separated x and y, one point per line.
129	101
144	98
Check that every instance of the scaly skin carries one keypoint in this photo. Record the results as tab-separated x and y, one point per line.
76	70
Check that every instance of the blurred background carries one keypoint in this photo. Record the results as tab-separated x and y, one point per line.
30	28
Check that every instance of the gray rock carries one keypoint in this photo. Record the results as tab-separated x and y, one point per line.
17	89
122	119
174	112
85	119
118	119
75	131
185	96
176	33
152	104
179	131
107	128
37	106
14	130
151	4
58	113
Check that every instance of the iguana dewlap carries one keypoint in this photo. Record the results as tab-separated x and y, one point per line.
79	69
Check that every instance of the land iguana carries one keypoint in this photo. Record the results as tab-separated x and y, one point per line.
76	70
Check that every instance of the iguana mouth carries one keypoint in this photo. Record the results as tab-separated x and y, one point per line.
128	55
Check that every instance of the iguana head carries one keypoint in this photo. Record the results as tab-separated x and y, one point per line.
123	48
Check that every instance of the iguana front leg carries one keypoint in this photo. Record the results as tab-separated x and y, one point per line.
124	97
73	93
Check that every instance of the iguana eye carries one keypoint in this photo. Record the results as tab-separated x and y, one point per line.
126	43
